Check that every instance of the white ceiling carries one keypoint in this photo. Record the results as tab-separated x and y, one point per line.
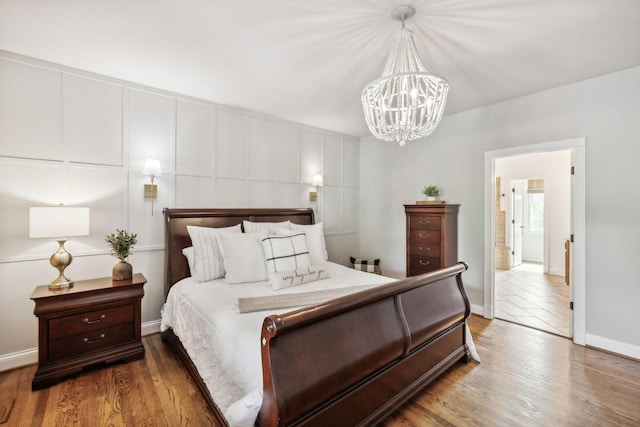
307	61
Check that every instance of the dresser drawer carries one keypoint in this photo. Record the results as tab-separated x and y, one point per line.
425	249
421	264
423	236
90	321
424	222
90	341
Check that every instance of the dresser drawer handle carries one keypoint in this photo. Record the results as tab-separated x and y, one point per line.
91	322
420	261
88	341
424	236
424	222
427	249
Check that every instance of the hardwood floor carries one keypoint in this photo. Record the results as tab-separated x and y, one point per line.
527	377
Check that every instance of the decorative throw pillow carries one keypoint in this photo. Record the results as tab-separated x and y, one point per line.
208	261
190	255
284	253
264	227
315	241
286	279
366	265
243	257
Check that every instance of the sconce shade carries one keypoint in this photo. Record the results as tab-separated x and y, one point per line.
58	221
317	181
152	167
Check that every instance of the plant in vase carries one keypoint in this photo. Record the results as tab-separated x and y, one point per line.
121	244
431	191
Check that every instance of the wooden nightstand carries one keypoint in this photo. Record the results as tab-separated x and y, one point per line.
96	321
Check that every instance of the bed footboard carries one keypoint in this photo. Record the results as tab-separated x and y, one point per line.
353	360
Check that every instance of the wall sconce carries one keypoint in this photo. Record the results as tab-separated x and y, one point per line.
153	169
59	222
316	182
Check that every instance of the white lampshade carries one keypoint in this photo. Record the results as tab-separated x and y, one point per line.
58	221
152	167
317	181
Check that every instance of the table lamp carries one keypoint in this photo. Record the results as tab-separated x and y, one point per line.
59	222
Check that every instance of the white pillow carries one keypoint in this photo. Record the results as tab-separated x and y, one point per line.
286	279
190	255
243	257
286	252
208	261
315	241
264	227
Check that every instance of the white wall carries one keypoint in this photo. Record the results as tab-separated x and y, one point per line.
72	137
554	168
605	111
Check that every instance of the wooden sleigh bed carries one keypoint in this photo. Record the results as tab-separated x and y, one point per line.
350	361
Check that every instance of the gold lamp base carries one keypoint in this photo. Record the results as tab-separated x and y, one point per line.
61	260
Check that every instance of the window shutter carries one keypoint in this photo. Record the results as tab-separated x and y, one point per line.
535	186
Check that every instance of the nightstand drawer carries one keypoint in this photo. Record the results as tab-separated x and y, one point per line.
90	321
91	341
425	222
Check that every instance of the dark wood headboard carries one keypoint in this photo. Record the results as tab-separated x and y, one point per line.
177	238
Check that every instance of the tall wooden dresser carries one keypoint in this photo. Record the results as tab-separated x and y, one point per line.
432	237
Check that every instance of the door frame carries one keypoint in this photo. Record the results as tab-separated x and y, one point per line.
578	263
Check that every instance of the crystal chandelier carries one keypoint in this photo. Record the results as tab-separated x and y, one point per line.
407	102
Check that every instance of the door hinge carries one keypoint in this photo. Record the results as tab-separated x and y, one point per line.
570	305
573	170
513	190
571	238
513	221
513	253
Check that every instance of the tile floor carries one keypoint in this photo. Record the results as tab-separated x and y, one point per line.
527	296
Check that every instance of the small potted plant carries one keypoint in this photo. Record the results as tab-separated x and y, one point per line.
121	244
431	191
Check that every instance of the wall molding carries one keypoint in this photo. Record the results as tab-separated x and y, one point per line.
79	254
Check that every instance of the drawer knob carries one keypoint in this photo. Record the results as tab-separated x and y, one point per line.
424	222
88	341
91	322
424	236
424	263
427	249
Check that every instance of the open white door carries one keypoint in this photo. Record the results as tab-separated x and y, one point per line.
517	192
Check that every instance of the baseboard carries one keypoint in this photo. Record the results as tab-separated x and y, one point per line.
152	327
477	309
18	359
556	272
30	356
624	349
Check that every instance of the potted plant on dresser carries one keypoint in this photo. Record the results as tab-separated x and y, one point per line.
121	244
432	192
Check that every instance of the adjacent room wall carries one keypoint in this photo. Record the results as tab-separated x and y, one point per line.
73	137
554	168
604	110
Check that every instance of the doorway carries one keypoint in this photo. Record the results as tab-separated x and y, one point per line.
530	289
552	244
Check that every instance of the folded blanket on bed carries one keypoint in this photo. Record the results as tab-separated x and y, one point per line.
300	299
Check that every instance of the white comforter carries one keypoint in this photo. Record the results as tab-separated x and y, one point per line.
224	344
